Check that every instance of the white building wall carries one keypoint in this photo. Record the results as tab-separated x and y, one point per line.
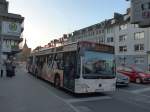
131	54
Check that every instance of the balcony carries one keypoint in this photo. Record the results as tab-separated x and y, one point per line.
18	38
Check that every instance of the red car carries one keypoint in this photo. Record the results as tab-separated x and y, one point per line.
135	74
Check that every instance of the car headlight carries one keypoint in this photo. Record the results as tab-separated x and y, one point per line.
119	80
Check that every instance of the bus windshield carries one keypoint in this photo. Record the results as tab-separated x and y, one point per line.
98	65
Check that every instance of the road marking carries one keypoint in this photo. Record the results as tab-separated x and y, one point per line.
88	99
140	90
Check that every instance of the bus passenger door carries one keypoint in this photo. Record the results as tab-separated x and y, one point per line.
69	70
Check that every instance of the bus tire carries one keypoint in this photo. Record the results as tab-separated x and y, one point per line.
57	81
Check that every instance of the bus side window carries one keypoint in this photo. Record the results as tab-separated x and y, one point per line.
54	66
49	61
60	61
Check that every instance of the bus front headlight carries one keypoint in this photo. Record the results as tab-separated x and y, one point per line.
82	88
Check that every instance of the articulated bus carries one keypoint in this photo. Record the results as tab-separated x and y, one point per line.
81	67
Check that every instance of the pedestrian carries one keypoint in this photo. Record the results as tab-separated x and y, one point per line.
8	68
2	68
13	68
1	72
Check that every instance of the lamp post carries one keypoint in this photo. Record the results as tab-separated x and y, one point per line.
1	46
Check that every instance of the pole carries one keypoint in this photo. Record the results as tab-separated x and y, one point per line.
1	46
0	52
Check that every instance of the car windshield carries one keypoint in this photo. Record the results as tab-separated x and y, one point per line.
141	70
119	75
98	64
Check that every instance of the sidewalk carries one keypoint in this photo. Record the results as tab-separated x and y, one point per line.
23	93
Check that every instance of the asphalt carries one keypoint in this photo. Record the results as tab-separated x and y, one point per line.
23	93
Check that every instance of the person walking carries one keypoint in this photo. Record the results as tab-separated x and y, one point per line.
13	68
2	68
2	72
8	68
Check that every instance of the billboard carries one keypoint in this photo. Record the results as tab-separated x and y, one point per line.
11	28
140	12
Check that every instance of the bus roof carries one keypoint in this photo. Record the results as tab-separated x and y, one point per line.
74	46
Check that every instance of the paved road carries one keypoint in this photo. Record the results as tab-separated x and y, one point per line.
24	93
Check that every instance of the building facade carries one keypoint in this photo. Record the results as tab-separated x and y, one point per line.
11	28
93	33
132	44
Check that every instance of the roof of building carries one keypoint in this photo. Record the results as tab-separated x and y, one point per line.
4	15
2	0
11	15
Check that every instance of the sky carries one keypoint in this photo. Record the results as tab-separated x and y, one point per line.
46	20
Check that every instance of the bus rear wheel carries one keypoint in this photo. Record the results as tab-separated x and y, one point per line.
57	81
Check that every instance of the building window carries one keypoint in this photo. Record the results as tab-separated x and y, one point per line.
123	27
96	32
139	60
93	32
9	42
122	38
12	43
139	47
100	31
110	39
145	6
109	30
101	39
139	35
122	48
122	60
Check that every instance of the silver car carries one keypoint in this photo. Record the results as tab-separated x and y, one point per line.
122	80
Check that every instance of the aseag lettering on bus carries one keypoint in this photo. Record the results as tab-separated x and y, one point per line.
81	67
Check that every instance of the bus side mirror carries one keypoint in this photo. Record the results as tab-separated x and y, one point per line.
81	51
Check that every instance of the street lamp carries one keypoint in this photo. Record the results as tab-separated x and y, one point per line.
1	47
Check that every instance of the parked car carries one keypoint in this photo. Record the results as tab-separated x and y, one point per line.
135	74
122	80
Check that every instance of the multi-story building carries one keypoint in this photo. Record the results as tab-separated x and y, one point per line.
93	33
11	28
132	44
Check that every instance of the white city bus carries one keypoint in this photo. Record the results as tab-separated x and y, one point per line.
82	67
